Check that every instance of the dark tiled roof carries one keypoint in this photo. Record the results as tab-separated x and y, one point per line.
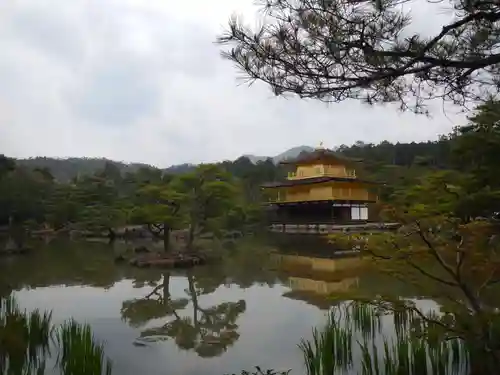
319	154
314	180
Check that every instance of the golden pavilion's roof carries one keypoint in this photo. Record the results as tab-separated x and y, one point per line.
320	154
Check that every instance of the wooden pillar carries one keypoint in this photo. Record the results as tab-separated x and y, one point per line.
284	214
280	214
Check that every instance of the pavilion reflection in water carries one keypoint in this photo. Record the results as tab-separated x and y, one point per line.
316	275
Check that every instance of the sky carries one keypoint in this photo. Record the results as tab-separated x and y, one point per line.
143	81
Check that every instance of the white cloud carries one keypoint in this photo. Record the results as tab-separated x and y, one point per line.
143	81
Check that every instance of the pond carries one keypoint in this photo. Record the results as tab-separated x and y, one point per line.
251	309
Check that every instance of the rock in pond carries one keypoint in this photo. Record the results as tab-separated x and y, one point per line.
168	260
141	250
120	258
15	251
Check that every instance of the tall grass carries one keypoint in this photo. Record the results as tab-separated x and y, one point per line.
29	340
24	339
329	351
79	353
357	339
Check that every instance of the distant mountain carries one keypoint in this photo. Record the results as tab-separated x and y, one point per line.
254	159
66	169
180	168
288	154
292	153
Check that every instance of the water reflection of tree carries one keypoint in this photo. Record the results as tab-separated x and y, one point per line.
62	262
209	331
71	263
157	304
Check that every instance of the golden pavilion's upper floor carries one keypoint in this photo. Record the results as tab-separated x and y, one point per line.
321	175
323	185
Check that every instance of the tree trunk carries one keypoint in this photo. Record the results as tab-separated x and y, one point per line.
194	300
111	235
166	286
190	237
18	235
166	237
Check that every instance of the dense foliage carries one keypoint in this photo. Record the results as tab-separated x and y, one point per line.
207	198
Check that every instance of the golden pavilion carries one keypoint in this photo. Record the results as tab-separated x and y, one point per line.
322	188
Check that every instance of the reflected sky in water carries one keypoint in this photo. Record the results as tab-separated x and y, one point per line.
83	282
269	329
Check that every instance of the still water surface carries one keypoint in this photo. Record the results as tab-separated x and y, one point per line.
250	310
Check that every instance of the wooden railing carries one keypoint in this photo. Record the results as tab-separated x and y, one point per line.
326	227
335	194
326	173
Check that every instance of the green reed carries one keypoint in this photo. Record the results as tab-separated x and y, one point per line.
24	339
29	339
354	341
329	351
79	353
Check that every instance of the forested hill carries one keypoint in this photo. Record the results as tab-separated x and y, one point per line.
403	154
384	154
66	169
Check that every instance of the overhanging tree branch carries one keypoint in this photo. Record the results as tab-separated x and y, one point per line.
337	50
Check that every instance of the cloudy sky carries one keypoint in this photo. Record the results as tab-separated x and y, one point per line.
142	80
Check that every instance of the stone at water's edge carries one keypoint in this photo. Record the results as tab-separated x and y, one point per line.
120	258
11	248
168	260
141	249
21	251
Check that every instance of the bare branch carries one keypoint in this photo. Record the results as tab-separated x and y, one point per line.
431	276
435	253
